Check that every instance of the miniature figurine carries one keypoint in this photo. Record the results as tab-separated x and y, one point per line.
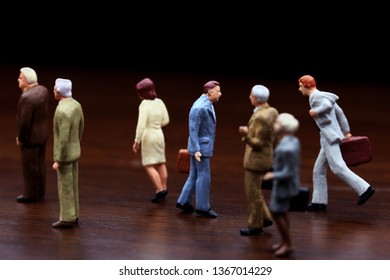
333	127
68	128
149	137
202	127
32	134
259	139
285	177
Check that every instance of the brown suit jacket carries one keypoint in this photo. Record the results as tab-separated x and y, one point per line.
32	116
260	140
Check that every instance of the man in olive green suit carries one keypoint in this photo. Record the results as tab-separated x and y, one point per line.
259	138
68	127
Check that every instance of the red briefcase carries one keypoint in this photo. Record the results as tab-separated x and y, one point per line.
183	161
356	150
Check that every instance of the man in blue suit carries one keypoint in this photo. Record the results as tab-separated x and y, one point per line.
202	126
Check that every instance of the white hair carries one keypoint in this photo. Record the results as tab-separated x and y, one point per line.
30	75
261	93
64	87
288	122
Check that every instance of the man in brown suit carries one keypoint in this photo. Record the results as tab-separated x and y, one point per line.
32	134
259	138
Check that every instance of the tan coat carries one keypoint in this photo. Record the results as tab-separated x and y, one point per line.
260	140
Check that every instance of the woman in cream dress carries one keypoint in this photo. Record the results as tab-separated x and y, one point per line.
149	136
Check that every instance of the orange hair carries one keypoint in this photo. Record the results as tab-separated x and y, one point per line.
307	81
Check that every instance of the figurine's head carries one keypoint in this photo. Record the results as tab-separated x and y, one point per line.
261	93
63	87
213	91
286	123
145	89
29	74
209	85
307	81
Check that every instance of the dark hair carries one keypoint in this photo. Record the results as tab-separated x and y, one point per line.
145	88
209	85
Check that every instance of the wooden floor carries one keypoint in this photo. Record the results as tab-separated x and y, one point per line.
117	219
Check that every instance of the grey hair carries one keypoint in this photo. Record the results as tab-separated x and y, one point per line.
261	93
288	122
30	75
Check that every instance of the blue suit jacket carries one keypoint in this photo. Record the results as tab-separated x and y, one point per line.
202	126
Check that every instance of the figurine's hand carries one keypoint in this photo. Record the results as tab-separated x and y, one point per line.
136	147
268	176
243	130
313	113
56	166
17	142
198	156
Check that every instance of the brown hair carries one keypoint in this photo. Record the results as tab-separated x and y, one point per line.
307	81
209	85
145	88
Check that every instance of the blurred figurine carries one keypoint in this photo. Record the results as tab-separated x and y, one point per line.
68	128
259	138
333	126
32	134
149	136
286	178
202	127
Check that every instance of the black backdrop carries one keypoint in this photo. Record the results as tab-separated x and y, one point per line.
342	43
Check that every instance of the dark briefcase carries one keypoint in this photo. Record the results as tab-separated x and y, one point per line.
267	184
300	201
183	161
356	150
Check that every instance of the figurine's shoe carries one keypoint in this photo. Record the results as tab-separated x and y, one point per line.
158	197
188	208
365	196
165	193
251	231
316	207
23	199
208	214
62	224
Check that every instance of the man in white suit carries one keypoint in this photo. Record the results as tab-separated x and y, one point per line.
334	127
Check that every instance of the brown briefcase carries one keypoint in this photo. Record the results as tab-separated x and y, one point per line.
356	150
183	161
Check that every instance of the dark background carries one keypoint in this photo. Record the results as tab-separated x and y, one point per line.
347	43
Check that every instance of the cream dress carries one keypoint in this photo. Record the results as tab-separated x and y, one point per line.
152	116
